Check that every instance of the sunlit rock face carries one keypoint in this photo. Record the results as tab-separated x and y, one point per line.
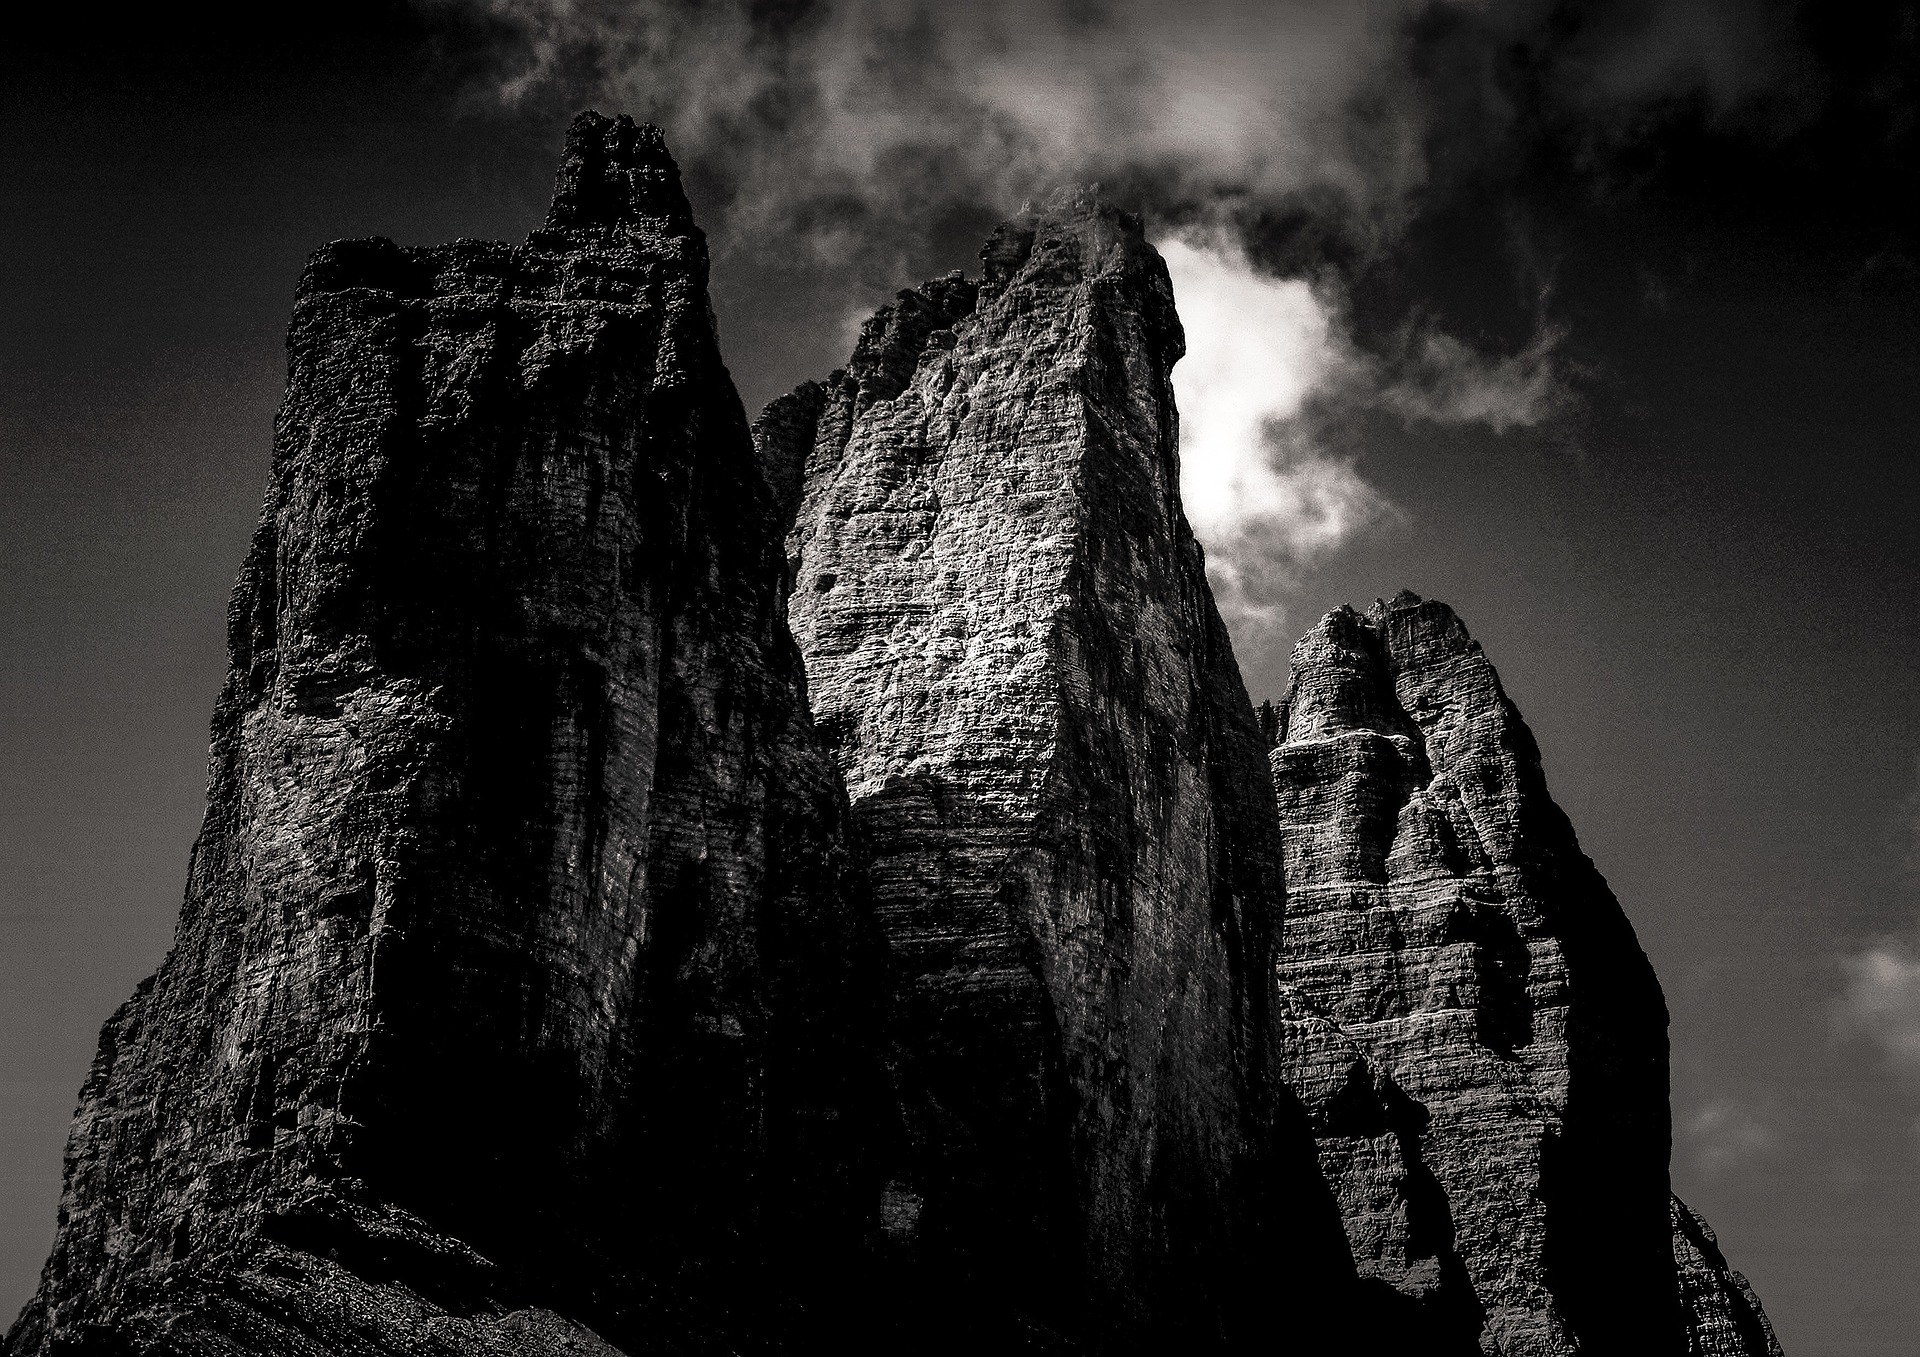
1011	647
517	980
1479	1039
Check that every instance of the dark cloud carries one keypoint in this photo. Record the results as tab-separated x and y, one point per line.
846	123
1339	143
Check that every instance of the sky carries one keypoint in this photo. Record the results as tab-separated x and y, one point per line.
1599	322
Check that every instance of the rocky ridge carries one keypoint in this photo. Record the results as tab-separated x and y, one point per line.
566	968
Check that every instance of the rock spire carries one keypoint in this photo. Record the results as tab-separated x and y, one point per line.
519	971
1012	650
1479	1039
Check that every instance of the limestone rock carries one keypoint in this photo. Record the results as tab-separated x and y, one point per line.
1011	647
1479	1002
1724	1318
519	971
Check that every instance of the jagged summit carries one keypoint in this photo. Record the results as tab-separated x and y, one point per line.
1078	236
615	172
1075	237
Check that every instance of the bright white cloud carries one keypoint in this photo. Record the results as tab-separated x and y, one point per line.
1271	374
1264	496
1256	348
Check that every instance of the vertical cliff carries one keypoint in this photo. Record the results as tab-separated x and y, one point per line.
1479	1038
518	968
1012	650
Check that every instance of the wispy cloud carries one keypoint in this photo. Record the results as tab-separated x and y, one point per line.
1880	1001
1442	380
846	124
843	123
1728	1134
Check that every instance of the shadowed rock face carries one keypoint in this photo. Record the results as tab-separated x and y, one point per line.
1011	647
1479	1039
519	956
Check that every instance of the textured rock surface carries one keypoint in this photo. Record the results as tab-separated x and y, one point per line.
1477	1034
1011	646
1414	1292
1724	1318
518	960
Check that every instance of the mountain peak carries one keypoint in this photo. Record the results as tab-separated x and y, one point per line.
1078	236
616	172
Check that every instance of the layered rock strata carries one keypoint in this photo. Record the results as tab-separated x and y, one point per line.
1012	649
517	987
1478	1036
